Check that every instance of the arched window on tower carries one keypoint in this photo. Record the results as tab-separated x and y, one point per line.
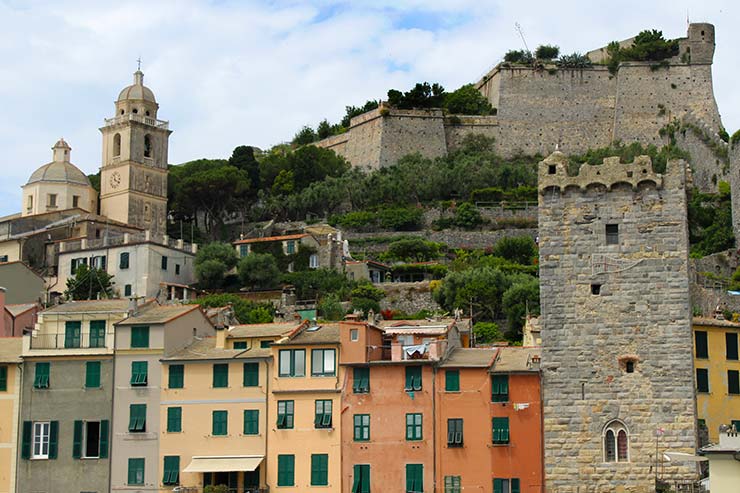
616	442
147	146
117	145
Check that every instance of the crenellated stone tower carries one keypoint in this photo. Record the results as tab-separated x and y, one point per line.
133	178
616	326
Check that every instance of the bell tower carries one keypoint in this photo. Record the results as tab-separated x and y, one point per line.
133	177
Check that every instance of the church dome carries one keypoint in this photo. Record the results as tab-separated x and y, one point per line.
137	90
60	170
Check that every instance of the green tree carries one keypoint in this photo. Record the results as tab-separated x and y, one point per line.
413	250
242	158
547	52
284	183
522	298
259	271
422	95
519	56
353	111
305	136
364	305
368	291
487	332
519	249
330	308
467	100
89	284
317	283
245	311
467	216
324	129
479	288
212	262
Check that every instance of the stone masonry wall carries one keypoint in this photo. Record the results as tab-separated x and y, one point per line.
734	179
642	313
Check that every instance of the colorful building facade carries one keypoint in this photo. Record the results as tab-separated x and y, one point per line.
10	385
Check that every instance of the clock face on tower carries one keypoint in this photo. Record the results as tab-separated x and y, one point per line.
115	179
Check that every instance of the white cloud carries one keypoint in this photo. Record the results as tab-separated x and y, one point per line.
228	73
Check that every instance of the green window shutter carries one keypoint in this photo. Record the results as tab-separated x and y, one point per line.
220	375
171	470
265	344
500	430
104	432
251	422
322	418
92	374
361	480
136	471
26	437
139	373
251	374
53	439
285	415
3	378
140	336
361	427
176	376
72	334
286	470
164	262
702	380
731	345
515	485
413	378
137	418
500	388
452	380
97	333
220	423
319	469
414	426
77	440
41	377
174	419
733	382
240	344
123	263
360	380
414	478
700	339
498	485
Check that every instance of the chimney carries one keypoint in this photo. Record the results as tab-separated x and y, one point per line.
220	336
133	307
3	329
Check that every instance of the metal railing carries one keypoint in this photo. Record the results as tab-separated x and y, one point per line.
147	120
61	341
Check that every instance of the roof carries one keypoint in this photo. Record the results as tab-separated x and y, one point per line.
113	305
17	309
159	314
205	349
321	334
713	322
272	238
261	330
368	262
137	90
59	172
10	349
436	327
416	330
469	358
515	359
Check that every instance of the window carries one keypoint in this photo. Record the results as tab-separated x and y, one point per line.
629	366
452	380
176	377
75	201
75	264
313	261
147	145
137	418
733	382
413	426
41	377
97	333
174	419
177	269
140	336
501	485
360	380
292	363
731	345
285	415
87	440
500	388
117	144
240	344
265	344
251	374
361	427
41	439
612	234
243	250
414	478
290	247
3	258
500	431
127	290
251	422
123	260
51	200
354	335
413	378
455	432
139	373
220	375
286	470
616	442
30	202
71	334
319	469
361	478
3	378
596	289
452	484
92	374
700	339
322	362
220	423
136	471
98	262
171	470
164	262
322	418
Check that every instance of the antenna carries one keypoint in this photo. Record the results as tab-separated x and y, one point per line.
518	28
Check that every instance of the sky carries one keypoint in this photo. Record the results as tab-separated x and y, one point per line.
229	73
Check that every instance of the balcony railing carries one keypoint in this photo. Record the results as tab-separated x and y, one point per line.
131	117
61	341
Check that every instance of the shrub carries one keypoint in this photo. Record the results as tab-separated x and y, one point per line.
367	290
735	137
400	218
519	56
210	273
330	308
317	283
520	299
574	60
247	312
353	220
467	100
259	270
724	135
364	305
547	52
413	249
487	332
519	249
212	262
467	216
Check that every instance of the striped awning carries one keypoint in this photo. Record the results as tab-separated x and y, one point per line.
224	463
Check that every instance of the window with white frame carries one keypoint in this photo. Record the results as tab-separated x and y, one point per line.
313	261
323	362
616	442
91	440
41	440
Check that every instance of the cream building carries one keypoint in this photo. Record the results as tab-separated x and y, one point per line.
10	380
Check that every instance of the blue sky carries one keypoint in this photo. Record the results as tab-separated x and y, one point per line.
229	73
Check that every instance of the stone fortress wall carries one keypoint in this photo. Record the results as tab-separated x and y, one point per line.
640	312
543	109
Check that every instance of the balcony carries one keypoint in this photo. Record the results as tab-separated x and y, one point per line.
131	117
60	341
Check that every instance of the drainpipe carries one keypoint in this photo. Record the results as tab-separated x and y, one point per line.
111	434
434	425
19	427
542	431
267	416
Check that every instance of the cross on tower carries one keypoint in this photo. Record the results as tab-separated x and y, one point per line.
138	61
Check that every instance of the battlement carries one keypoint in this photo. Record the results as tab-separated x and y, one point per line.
553	173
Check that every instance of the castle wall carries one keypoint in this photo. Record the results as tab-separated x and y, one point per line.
363	147
640	314
410	131
734	178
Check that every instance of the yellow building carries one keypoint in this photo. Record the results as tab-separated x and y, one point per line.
10	385
304	407
213	413
717	374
